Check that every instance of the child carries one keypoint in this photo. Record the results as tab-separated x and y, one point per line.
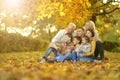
84	47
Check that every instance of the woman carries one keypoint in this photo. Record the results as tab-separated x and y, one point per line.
89	55
99	49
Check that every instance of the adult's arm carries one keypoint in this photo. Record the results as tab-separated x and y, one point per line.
93	45
57	37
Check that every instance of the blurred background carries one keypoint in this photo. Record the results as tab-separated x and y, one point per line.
29	25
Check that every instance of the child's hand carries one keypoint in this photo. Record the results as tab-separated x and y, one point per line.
82	55
72	47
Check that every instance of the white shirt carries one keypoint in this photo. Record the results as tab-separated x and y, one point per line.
84	47
59	36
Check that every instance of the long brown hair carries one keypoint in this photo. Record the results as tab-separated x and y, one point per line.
92	31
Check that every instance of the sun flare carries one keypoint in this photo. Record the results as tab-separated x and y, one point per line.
12	3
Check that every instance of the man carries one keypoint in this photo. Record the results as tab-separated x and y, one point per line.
58	39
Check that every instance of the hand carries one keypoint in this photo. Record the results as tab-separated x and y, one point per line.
82	55
72	47
51	44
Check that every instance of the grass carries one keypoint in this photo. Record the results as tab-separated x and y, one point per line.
24	66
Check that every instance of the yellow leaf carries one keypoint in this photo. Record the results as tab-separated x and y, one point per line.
62	14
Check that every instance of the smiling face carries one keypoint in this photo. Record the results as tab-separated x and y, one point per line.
70	30
80	32
75	41
89	34
86	26
67	38
84	41
89	25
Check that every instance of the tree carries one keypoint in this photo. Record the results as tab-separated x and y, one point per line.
103	7
61	12
57	12
105	13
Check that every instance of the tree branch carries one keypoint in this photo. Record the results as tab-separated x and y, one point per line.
107	12
103	5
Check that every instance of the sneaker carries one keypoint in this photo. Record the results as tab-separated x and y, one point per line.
97	61
44	59
51	61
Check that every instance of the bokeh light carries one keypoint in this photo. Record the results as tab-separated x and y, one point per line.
12	3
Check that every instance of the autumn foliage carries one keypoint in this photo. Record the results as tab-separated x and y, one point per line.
24	66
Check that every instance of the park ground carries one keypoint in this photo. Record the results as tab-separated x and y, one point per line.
24	66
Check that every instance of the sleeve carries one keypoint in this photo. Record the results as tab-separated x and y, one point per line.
93	45
96	37
57	36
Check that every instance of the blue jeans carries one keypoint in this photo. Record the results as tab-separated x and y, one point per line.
62	58
81	51
50	49
74	55
57	56
86	58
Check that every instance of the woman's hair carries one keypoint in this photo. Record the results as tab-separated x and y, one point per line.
91	24
92	32
86	38
78	38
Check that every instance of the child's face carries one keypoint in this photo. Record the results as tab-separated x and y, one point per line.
84	41
75	41
67	38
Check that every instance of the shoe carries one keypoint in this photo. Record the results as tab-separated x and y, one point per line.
97	61
51	61
44	59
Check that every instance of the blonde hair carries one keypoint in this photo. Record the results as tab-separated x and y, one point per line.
72	25
91	24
